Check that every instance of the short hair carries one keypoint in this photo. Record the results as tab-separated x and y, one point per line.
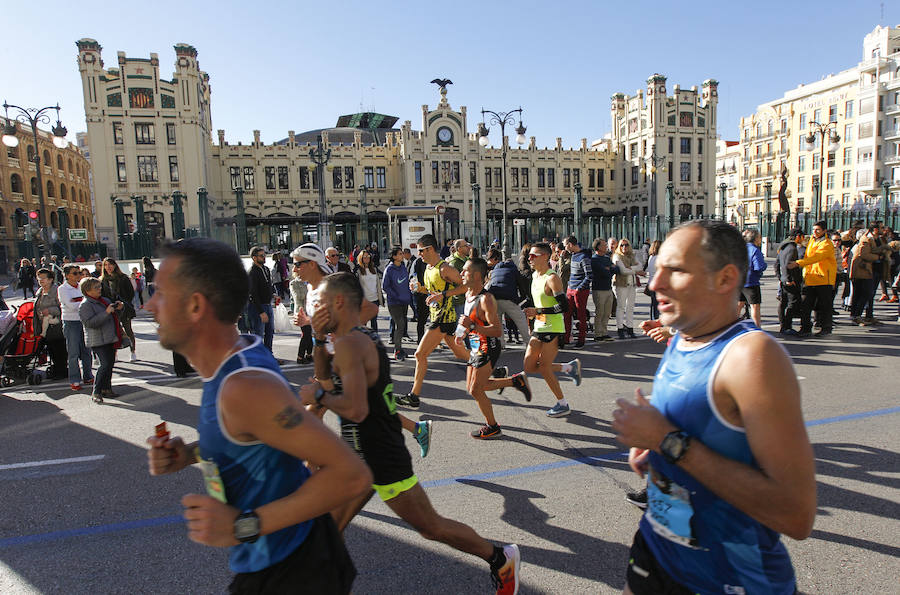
46	272
494	254
214	269
347	285
89	284
794	233
460	243
543	247
750	235
721	245
407	251
571	240
255	250
428	240
821	224
396	250
597	243
69	268
479	265
872	228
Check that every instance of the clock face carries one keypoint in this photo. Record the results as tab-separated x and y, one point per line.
445	135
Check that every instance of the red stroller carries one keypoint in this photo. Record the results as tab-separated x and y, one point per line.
20	349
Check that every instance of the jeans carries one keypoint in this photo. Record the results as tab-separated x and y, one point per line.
517	315
73	331
373	324
577	299
818	298
398	318
306	343
603	304
107	356
789	307
863	291
266	330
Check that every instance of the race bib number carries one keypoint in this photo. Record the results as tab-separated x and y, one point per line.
669	510
474	343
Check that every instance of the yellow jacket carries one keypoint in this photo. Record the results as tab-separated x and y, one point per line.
819	265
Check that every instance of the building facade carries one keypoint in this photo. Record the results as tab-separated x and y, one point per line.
139	123
65	186
728	161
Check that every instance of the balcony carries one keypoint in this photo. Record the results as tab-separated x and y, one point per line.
892	109
891	133
17	196
892	160
13	162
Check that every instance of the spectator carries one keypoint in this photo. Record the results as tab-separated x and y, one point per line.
334	261
299	290
418	276
578	288
98	269
102	334
280	279
751	293
862	277
652	252
791	282
462	251
818	280
259	308
505	285
628	268
26	278
445	251
149	275
117	288
137	282
47	323
398	296
367	273
602	271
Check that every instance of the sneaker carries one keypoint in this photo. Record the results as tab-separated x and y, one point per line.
75	387
606	338
803	334
407	400
399	355
789	332
823	333
559	410
579	345
88	382
520	383
621	333
598	338
630	332
423	437
134	356
639	498
97	399
487	432
575	374
506	578
500	372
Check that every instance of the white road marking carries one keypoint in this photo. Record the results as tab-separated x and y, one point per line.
51	462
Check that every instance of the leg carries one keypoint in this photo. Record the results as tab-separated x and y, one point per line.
595	296
459	351
343	515
620	308
606	305
422	316
269	328
477	379
823	305
629	306
431	340
581	299
72	331
126	326
539	358
567	315
756	314
373	324
401	324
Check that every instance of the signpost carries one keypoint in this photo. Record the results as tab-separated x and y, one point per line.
77	235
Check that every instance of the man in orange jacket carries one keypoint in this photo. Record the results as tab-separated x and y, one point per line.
819	271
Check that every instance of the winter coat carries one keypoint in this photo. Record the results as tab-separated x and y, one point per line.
787	252
627	265
861	265
819	266
580	274
504	281
99	325
757	264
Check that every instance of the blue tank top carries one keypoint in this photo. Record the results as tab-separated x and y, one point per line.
703	542
252	472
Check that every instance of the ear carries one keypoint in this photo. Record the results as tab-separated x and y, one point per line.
196	306
727	279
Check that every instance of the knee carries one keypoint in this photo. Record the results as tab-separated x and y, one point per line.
531	366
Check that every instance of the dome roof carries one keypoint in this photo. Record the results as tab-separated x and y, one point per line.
373	128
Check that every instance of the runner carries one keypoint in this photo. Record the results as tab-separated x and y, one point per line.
254	437
442	282
302	256
481	326
550	303
356	384
722	443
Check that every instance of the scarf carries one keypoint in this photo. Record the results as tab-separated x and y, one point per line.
106	303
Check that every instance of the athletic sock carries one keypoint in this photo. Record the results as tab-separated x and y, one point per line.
566	368
497	559
563	402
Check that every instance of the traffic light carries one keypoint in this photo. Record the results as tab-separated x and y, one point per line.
33	215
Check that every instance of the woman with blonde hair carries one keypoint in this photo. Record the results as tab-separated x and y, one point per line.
628	268
367	273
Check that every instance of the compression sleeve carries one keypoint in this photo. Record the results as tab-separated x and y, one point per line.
562	305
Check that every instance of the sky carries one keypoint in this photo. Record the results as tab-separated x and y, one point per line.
279	66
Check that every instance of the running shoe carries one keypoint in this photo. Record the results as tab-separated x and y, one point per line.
506	578
423	437
75	387
407	400
487	432
134	356
575	374
88	382
558	410
638	498
520	383
501	372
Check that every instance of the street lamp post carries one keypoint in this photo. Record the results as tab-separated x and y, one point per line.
33	116
576	211
502	119
723	187
654	161
767	230
177	215
824	131
364	213
476	215
320	157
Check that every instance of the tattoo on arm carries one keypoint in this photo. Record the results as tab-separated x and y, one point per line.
289	418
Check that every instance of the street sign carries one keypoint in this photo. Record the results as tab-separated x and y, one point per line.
77	235
518	222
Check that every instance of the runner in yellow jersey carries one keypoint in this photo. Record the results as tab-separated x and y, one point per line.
549	305
442	282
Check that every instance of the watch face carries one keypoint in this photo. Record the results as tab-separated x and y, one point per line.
445	135
246	527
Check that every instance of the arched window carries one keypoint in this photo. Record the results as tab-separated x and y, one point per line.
47	161
51	191
62	192
771	127
30	153
54	219
70	166
59	163
75	221
12	152
34	187
15	183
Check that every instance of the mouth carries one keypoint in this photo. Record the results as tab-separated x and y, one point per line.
663	304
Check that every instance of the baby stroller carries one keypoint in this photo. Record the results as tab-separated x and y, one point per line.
19	347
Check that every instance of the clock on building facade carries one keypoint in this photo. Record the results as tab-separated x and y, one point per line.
445	136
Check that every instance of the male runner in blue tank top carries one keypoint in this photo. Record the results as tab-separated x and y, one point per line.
254	438
723	445
356	384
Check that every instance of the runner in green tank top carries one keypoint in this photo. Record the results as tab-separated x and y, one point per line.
549	304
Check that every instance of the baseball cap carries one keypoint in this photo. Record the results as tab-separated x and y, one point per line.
314	253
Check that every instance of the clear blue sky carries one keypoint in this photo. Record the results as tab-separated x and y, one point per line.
276	66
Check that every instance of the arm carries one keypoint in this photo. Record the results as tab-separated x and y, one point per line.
93	316
494	327
813	256
620	267
451	275
588	272
350	357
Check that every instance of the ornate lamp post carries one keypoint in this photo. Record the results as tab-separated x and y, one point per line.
824	131
502	119
723	187
203	206
33	116
476	215
653	161
177	215
320	157
364	213
577	211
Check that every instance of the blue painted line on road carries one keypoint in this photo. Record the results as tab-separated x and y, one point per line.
168	520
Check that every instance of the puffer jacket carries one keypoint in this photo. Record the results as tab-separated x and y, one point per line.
861	265
819	266
99	325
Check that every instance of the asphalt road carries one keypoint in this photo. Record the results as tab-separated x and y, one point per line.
81	514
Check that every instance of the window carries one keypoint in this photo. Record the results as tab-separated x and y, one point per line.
670	169
829	181
542	180
143	134
283	183
15	183
634	175
348	178
304	178
173	168
269	174
848	156
147	168
567	177
686	146
487	177
380	177
314	176
802	121
551	177
783	148
120	170
454	173
700	146
814	180
435	175
12	152
524	176
498	179
686	119
337	178
672	143
817	116
831	158
700	171
369	175
848	109
417	173
784	126
473	173
832	113
59	162
865	155
847	177
249	178
170	134
633	150
848	132
118	137
591	178
685	171
514	174
866	105
600	176
445	172
815	161
758	151
576	176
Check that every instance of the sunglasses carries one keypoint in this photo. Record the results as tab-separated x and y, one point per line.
623	243
533	255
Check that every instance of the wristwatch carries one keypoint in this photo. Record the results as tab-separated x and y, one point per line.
674	446
246	527
320	394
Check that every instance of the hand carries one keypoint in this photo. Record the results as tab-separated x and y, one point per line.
264	317
649	325
530	312
301	318
320	320
167	455
459	340
434	298
638	460
110	309
792	265
308	393
640	424
210	522
660	334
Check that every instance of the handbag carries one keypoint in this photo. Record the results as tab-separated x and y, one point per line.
54	332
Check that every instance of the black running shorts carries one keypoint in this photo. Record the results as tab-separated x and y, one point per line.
547	337
448	328
751	295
